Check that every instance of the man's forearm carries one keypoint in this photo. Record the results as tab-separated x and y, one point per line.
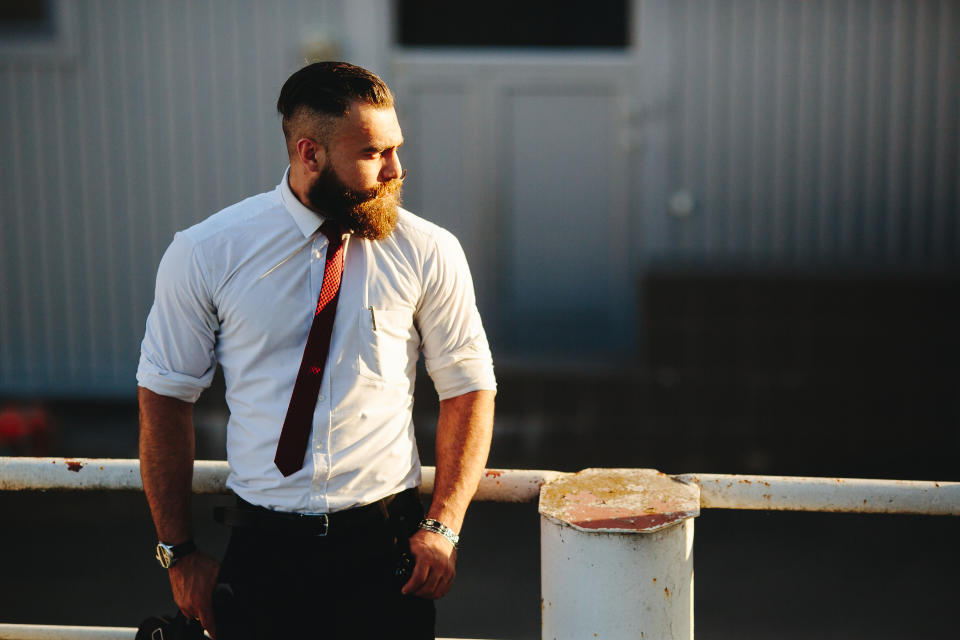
166	462
464	430
166	466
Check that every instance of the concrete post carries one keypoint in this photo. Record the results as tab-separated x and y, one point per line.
617	555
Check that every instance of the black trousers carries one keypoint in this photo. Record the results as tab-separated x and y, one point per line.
278	585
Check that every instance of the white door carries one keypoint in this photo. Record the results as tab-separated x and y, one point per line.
525	158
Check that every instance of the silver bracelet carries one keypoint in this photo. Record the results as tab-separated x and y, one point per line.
429	524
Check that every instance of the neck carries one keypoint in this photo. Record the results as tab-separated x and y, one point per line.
299	182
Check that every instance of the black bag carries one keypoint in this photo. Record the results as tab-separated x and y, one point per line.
170	628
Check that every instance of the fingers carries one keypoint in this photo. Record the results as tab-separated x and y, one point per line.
206	619
192	581
436	586
430	583
434	569
418	578
445	582
428	590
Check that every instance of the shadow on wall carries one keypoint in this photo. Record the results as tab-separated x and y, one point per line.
756	372
737	372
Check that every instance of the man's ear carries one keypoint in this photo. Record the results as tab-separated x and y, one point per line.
312	155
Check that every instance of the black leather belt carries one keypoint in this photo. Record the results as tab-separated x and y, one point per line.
301	524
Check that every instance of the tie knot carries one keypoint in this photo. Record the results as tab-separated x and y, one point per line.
332	230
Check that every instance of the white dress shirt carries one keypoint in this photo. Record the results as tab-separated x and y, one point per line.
241	287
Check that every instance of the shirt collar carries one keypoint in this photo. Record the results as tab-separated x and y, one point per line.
307	221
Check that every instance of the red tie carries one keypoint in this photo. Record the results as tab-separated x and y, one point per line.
297	425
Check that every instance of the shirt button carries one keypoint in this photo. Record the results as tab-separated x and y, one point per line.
320	398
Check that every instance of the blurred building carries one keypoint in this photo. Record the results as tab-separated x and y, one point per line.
683	184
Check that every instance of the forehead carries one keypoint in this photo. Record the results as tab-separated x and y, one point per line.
369	126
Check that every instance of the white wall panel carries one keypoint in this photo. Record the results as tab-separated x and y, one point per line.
809	133
446	132
436	124
531	153
560	160
161	114
815	133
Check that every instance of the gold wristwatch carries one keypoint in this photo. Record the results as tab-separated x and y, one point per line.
169	554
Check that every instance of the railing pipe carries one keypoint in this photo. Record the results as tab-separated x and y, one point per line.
210	476
92	474
65	632
848	495
717	491
616	544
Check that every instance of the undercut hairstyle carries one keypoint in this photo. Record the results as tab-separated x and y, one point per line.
314	98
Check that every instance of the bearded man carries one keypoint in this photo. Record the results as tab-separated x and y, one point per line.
316	299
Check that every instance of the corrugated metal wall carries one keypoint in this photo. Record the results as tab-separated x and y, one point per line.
806	132
162	116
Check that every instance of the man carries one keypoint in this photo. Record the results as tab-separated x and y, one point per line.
315	299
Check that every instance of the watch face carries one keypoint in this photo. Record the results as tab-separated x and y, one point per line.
164	555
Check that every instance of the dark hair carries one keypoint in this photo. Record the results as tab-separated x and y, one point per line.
327	89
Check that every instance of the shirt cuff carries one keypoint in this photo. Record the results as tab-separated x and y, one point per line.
462	373
170	383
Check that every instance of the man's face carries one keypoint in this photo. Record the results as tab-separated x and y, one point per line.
359	183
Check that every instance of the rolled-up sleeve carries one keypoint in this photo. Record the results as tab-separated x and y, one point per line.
454	344
177	354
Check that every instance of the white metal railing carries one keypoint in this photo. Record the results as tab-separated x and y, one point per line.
645	496
717	491
63	632
846	495
210	476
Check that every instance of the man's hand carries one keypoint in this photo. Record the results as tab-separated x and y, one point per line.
192	580
435	566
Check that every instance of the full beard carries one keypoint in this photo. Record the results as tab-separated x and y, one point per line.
368	214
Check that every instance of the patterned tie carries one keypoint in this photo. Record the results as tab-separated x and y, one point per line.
297	425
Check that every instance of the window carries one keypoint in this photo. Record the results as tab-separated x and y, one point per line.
37	31
513	23
21	19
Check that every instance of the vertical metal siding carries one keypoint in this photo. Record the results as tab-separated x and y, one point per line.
164	115
815	132
946	171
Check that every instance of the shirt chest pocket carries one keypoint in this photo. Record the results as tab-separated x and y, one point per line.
387	340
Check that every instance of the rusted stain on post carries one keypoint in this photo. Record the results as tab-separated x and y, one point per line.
617	555
619	500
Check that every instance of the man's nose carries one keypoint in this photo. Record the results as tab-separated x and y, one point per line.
392	169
